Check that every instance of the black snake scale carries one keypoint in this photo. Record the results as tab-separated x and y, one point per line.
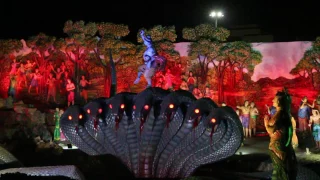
156	133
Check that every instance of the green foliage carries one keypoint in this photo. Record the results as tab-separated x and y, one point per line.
41	42
113	31
310	60
205	31
241	54
9	46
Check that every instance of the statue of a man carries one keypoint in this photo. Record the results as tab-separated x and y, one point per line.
148	55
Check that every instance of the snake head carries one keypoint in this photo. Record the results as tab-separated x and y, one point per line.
198	110
97	108
168	107
74	116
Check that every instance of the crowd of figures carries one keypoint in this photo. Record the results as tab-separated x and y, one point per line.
51	79
176	78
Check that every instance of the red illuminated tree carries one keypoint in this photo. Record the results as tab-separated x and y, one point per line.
206	46
80	41
111	41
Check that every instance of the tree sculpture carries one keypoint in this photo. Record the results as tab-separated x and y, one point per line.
81	40
205	46
111	44
309	63
240	55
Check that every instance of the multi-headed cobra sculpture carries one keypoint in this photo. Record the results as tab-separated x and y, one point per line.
156	133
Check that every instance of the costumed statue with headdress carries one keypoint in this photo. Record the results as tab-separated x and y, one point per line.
152	61
57	125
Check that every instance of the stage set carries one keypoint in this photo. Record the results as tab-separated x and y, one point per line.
163	108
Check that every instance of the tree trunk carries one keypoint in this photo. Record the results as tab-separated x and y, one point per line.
312	80
107	81
220	88
233	78
241	73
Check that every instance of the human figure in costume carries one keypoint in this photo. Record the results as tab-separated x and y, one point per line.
12	87
51	82
35	81
196	92
253	119
245	115
22	75
184	85
70	89
279	128
318	101
191	81
13	70
315	120
295	142
56	133
304	114
152	62
207	93
84	87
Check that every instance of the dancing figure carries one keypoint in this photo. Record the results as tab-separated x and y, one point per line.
152	62
279	128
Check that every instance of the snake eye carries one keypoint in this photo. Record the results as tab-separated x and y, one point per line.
80	116
122	106
213	120
197	111
70	117
171	106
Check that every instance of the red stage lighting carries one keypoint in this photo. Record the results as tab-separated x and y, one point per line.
70	117
146	107
122	106
197	111
80	116
110	106
213	120
171	106
100	110
88	111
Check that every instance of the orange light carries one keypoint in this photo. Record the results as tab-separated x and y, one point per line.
110	106
100	110
213	120
171	106
70	117
80	116
134	106
197	111
88	111
146	107
122	106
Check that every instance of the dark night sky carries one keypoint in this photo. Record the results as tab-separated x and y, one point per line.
288	21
